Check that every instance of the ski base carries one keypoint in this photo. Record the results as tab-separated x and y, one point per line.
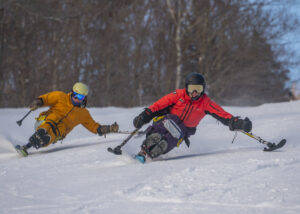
273	146
21	152
140	158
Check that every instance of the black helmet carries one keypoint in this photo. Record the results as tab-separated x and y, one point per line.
195	79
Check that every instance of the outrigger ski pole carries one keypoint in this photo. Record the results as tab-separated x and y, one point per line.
270	146
19	122
117	150
139	133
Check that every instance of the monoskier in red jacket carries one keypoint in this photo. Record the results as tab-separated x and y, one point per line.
177	116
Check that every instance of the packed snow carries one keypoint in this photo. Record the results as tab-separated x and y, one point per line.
212	176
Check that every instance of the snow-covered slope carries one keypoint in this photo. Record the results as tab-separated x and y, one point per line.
212	176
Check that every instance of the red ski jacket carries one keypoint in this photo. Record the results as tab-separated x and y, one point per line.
190	112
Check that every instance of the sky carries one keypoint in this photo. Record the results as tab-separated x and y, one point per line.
293	39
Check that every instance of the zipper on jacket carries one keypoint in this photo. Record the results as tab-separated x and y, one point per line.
183	112
190	113
186	112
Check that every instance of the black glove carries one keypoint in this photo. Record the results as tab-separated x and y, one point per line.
103	130
35	104
236	123
143	118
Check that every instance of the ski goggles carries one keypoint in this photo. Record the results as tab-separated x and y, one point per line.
78	96
197	88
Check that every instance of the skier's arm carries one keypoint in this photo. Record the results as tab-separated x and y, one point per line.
164	102
51	98
94	127
234	123
217	112
48	99
160	107
88	122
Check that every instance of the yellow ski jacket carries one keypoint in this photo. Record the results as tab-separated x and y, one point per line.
63	116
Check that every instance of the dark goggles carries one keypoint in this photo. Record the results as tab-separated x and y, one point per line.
78	96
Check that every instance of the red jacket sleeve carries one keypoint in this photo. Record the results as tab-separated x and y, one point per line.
164	102
217	112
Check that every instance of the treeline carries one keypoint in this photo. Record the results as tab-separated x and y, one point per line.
131	52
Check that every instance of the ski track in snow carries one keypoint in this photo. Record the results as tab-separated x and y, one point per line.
212	176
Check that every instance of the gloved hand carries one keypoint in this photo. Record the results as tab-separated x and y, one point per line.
143	118
104	129
236	123
35	104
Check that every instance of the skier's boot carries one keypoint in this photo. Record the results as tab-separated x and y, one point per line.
39	139
153	146
22	150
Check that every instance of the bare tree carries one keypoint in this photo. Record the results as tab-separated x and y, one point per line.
132	52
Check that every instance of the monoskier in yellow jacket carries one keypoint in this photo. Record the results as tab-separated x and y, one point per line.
67	110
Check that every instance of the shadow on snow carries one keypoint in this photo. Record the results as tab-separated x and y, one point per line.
57	149
221	152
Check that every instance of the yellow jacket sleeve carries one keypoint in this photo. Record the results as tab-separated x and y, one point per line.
51	98
89	123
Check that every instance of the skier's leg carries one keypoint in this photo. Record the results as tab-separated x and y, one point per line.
39	139
162	136
42	137
154	145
